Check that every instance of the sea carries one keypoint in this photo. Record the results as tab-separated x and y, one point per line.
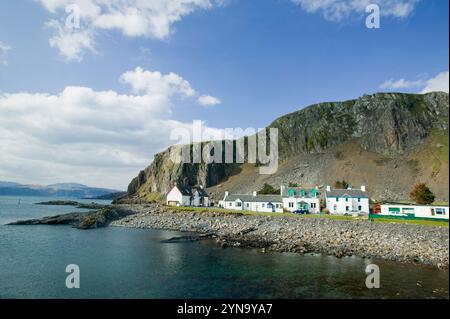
116	262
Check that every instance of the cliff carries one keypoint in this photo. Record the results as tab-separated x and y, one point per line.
388	141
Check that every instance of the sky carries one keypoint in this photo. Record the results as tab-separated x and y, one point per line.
90	90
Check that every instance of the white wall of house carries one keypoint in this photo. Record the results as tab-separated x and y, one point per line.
422	211
175	196
196	201
291	204
347	205
276	207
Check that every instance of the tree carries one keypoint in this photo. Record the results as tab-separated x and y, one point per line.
292	184
341	184
421	194
268	189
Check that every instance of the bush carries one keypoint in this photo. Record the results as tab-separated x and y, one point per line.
268	189
339	155
421	194
341	184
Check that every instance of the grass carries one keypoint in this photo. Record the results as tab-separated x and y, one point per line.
330	217
227	211
435	223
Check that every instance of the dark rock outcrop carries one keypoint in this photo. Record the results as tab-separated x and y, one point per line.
89	220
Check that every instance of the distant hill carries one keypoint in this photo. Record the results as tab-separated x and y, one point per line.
54	190
386	141
111	196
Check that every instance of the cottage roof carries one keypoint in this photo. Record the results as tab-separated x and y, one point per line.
298	192
251	198
201	191
346	193
189	191
389	203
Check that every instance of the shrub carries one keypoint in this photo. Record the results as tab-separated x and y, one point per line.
268	189
341	184
421	194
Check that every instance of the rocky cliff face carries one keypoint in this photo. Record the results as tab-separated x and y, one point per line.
387	123
388	126
163	174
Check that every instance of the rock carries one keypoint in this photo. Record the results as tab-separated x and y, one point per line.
96	219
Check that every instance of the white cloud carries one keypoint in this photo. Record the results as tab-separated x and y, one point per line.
157	83
4	48
71	44
208	100
438	83
96	137
133	18
338	10
393	84
142	81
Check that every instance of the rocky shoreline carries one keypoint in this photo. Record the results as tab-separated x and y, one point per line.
405	243
396	242
89	220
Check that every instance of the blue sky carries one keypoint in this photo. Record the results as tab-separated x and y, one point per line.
260	59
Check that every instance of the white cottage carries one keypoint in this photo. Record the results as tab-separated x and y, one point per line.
298	198
188	196
254	202
347	201
414	211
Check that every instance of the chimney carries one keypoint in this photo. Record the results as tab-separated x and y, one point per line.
226	194
328	188
254	194
363	188
281	189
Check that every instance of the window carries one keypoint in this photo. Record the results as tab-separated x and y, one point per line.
394	210
263	205
291	204
440	211
302	192
359	207
408	210
247	204
291	193
230	204
238	204
346	199
432	212
347	208
337	199
359	200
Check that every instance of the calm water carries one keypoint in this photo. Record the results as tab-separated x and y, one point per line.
129	263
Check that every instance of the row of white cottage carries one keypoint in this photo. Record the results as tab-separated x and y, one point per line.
338	201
